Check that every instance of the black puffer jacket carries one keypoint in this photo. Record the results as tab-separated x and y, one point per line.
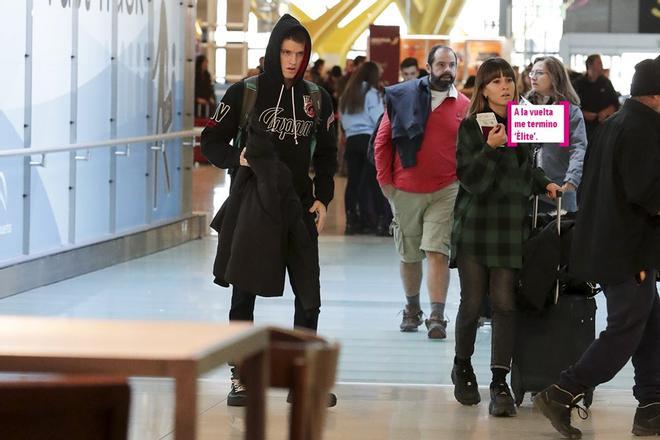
261	227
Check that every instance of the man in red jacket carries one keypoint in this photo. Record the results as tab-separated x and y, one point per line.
415	155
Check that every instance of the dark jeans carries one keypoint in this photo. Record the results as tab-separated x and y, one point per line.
363	200
242	302
633	330
477	281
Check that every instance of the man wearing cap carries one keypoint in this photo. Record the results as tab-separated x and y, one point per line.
616	243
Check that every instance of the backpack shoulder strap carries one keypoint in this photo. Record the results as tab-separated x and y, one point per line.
315	94
250	89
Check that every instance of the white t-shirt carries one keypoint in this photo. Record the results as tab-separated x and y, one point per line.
438	97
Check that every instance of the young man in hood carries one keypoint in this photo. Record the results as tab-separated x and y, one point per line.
285	108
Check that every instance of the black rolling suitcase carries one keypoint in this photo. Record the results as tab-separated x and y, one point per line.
550	339
547	344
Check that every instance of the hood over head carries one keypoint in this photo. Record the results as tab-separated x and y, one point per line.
272	67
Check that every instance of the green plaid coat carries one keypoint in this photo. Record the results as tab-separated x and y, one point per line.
490	215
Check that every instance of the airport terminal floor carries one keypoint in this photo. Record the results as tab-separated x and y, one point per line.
391	385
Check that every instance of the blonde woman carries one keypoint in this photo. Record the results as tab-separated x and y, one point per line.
550	85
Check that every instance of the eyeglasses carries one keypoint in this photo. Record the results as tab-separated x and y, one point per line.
535	73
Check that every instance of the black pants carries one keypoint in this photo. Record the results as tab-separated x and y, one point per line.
633	330
363	200
242	302
477	281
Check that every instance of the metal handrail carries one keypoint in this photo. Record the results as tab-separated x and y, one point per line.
107	143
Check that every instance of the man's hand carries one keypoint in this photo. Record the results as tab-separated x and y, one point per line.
321	212
568	187
640	277
589	116
552	189
387	190
243	161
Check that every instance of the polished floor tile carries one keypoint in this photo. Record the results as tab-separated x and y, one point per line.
392	385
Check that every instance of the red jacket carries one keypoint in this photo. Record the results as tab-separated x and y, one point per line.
436	159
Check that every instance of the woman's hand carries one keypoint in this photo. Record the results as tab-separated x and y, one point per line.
552	189
568	187
497	136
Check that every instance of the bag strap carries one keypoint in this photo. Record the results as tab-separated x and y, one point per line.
315	96
250	89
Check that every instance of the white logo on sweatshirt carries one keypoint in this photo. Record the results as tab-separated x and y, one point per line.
284	126
220	112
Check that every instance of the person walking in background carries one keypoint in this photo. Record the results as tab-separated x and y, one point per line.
204	93
597	95
318	70
617	244
415	155
409	69
360	108
496	183
330	85
550	85
524	83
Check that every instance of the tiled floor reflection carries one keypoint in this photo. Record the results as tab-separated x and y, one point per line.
376	412
392	385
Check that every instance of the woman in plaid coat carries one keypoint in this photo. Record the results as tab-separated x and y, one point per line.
496	183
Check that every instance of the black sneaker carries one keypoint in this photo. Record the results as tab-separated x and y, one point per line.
436	326
411	320
556	404
466	390
238	394
647	420
501	401
332	399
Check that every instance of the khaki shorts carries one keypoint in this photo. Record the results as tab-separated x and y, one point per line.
423	222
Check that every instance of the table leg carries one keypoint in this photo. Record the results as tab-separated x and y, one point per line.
255	372
185	407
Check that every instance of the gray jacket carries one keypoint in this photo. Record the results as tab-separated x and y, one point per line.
564	164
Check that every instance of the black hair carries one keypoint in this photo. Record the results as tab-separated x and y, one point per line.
409	62
296	34
591	59
318	64
436	48
359	60
336	71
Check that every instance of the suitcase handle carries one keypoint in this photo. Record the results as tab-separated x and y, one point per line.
560	194
535	212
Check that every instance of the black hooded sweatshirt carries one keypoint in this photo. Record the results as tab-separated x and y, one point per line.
293	129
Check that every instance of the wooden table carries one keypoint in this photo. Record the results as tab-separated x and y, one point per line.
180	350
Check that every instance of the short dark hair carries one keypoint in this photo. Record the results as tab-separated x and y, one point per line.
436	48
359	60
296	34
591	59
409	62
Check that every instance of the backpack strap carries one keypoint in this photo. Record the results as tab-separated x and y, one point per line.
250	89
315	96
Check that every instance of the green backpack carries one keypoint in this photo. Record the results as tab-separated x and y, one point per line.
250	89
